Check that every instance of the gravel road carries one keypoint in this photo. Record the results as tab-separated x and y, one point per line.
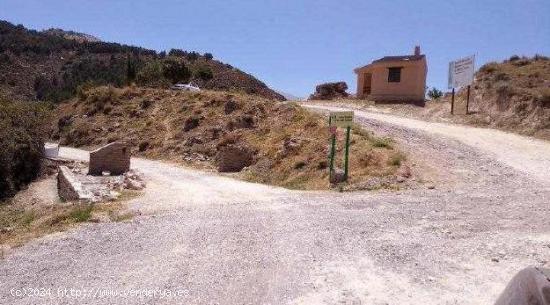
207	239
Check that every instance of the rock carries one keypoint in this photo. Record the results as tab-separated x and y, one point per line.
337	176
330	91
233	158
400	179
495	259
430	186
291	146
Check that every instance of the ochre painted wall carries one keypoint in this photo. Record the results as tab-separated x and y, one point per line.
412	86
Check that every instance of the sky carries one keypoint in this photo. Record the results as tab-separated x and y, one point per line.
293	45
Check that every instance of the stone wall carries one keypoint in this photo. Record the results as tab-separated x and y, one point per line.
113	158
69	187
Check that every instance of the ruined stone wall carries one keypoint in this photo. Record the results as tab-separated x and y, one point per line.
113	158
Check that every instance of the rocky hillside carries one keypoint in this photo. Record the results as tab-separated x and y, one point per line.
266	141
515	95
53	64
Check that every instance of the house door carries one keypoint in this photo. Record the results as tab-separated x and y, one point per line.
367	84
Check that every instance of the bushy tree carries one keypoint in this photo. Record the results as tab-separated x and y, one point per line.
175	71
22	134
435	93
208	56
204	73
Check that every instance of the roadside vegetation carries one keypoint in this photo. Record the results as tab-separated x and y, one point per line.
23	129
28	216
256	139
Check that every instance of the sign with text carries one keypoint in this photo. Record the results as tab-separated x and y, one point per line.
461	72
341	118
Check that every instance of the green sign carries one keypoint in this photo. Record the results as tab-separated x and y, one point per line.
342	119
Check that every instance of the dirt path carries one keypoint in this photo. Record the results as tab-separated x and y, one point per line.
221	241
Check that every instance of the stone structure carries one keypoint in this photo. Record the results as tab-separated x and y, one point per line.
69	186
394	79
113	158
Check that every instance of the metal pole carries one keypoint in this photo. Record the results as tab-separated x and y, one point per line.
453	102
346	158
468	100
332	152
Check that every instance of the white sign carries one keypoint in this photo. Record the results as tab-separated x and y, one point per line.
341	118
461	72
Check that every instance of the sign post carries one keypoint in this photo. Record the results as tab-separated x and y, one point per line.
461	73
342	119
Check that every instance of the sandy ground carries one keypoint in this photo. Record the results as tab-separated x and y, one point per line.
215	240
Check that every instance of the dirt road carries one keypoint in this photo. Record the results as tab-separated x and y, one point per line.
214	240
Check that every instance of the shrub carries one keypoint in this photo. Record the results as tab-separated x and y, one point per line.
22	133
514	58
204	73
175	71
208	56
434	93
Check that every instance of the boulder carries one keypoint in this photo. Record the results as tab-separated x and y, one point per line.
233	158
330	91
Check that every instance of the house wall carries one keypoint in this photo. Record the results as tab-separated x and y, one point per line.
113	158
412	86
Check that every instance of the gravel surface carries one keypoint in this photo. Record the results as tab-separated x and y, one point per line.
214	240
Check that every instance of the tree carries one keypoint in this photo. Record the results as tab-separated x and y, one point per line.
130	69
175	71
204	73
208	56
434	93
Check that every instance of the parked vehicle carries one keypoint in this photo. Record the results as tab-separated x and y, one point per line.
185	87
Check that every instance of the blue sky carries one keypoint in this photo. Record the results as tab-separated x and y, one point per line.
294	45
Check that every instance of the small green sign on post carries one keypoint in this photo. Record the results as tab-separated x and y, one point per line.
343	119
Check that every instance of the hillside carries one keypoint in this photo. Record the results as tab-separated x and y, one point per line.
52	64
276	143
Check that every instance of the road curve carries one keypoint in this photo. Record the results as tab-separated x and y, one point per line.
529	155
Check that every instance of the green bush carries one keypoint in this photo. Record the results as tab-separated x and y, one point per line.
22	133
175	71
434	93
204	73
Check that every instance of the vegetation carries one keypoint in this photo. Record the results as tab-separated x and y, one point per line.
434	93
22	133
52	65
288	143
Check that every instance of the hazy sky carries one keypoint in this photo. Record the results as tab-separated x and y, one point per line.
294	45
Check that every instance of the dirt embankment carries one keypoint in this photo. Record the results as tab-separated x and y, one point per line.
266	141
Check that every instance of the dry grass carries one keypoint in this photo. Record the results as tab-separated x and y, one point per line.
290	143
21	221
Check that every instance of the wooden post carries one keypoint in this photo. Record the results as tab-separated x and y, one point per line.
453	102
468	100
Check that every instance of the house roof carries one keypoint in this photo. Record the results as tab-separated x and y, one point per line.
401	58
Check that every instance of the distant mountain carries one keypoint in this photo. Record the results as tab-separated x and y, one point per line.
290	97
54	64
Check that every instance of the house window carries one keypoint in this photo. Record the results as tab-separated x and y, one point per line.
394	75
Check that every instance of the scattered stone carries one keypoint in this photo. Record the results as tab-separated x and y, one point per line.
495	259
400	179
430	186
233	158
404	171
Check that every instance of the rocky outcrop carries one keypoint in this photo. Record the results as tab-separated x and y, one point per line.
233	158
329	91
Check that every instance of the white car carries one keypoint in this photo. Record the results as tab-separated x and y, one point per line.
185	87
